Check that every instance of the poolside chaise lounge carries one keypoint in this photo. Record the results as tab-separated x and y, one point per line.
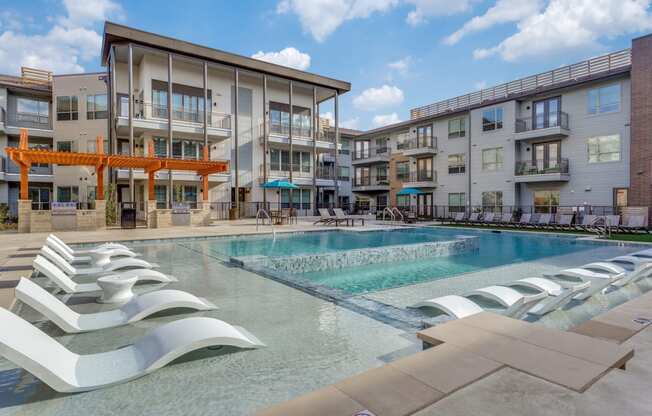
635	223
488	218
458	217
474	218
324	217
544	221
31	349
136	309
95	257
558	294
525	220
63	281
506	219
565	221
599	281
341	216
632	269
588	222
114	265
513	303
85	251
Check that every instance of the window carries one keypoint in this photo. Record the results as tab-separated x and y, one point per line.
67	194
362	176
604	99
185	193
161	193
381	173
492	119
456	164
604	149
32	111
159	104
279	160
492	159
64	146
301	198
160	147
456	201
424	169
279	120
546	201
91	146
456	128
402	141
345	147
381	146
403	201
492	201
96	107
344	173
67	108
361	150
424	136
403	171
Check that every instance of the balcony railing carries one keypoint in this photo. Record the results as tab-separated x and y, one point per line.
541	167
426	143
370	152
156	111
325	172
382	180
419	176
284	130
3	115
29	120
558	119
11	167
283	171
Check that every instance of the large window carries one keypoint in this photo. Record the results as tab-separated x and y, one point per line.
604	99
604	149
32	111
185	193
424	136
546	201
161	193
301	198
184	149
279	160
492	201
492	119
279	120
362	177
492	159
186	107
64	146
96	107
456	164
67	194
160	147
159	104
456	128
344	173
456	201
67	108
403	171
403	201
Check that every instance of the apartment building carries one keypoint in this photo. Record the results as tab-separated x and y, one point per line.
266	130
575	136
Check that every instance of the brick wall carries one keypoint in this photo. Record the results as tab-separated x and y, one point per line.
641	123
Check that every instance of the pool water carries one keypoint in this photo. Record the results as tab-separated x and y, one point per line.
318	242
496	249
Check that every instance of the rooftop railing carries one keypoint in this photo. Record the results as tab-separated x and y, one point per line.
598	65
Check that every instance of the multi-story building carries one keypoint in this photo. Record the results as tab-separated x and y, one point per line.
573	136
266	130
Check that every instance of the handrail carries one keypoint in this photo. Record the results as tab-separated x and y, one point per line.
271	223
400	214
391	214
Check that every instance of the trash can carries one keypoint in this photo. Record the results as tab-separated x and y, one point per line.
128	218
233	213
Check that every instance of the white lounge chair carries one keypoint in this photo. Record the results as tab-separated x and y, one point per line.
97	257
114	265
558	295
633	269
63	281
599	281
138	308
83	251
459	306
63	370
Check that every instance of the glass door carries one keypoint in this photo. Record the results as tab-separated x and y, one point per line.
546	113
424	169
424	205
546	156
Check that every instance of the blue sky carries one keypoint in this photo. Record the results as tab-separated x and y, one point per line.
397	54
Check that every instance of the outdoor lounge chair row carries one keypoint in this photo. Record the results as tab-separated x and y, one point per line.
340	217
562	221
541	295
64	371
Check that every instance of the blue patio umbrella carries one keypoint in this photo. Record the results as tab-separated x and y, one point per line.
409	191
279	184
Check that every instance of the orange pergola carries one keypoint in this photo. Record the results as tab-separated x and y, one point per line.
23	156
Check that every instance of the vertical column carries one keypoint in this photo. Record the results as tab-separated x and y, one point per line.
207	108
99	170
290	133
170	194
337	141
315	128
265	139
236	103
132	188
113	139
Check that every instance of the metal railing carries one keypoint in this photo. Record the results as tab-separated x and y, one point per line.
262	214
598	65
414	143
359	181
541	167
419	176
284	130
29	120
558	119
283	171
370	152
148	110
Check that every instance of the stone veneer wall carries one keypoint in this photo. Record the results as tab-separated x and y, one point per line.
86	220
40	221
640	175
361	257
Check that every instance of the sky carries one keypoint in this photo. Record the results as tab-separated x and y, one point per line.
397	54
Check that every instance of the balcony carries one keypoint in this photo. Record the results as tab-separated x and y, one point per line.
301	175
554	125
154	117
367	155
39	125
370	184
542	171
418	146
301	137
419	179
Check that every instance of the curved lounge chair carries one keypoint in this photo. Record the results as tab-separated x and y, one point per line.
135	310
58	277
67	372
97	257
113	266
558	295
599	281
633	273
84	251
459	306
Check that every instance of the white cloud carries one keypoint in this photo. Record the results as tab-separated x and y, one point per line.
328	116
502	12
374	98
320	18
385	119
289	56
571	24
65	46
352	123
424	9
402	66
